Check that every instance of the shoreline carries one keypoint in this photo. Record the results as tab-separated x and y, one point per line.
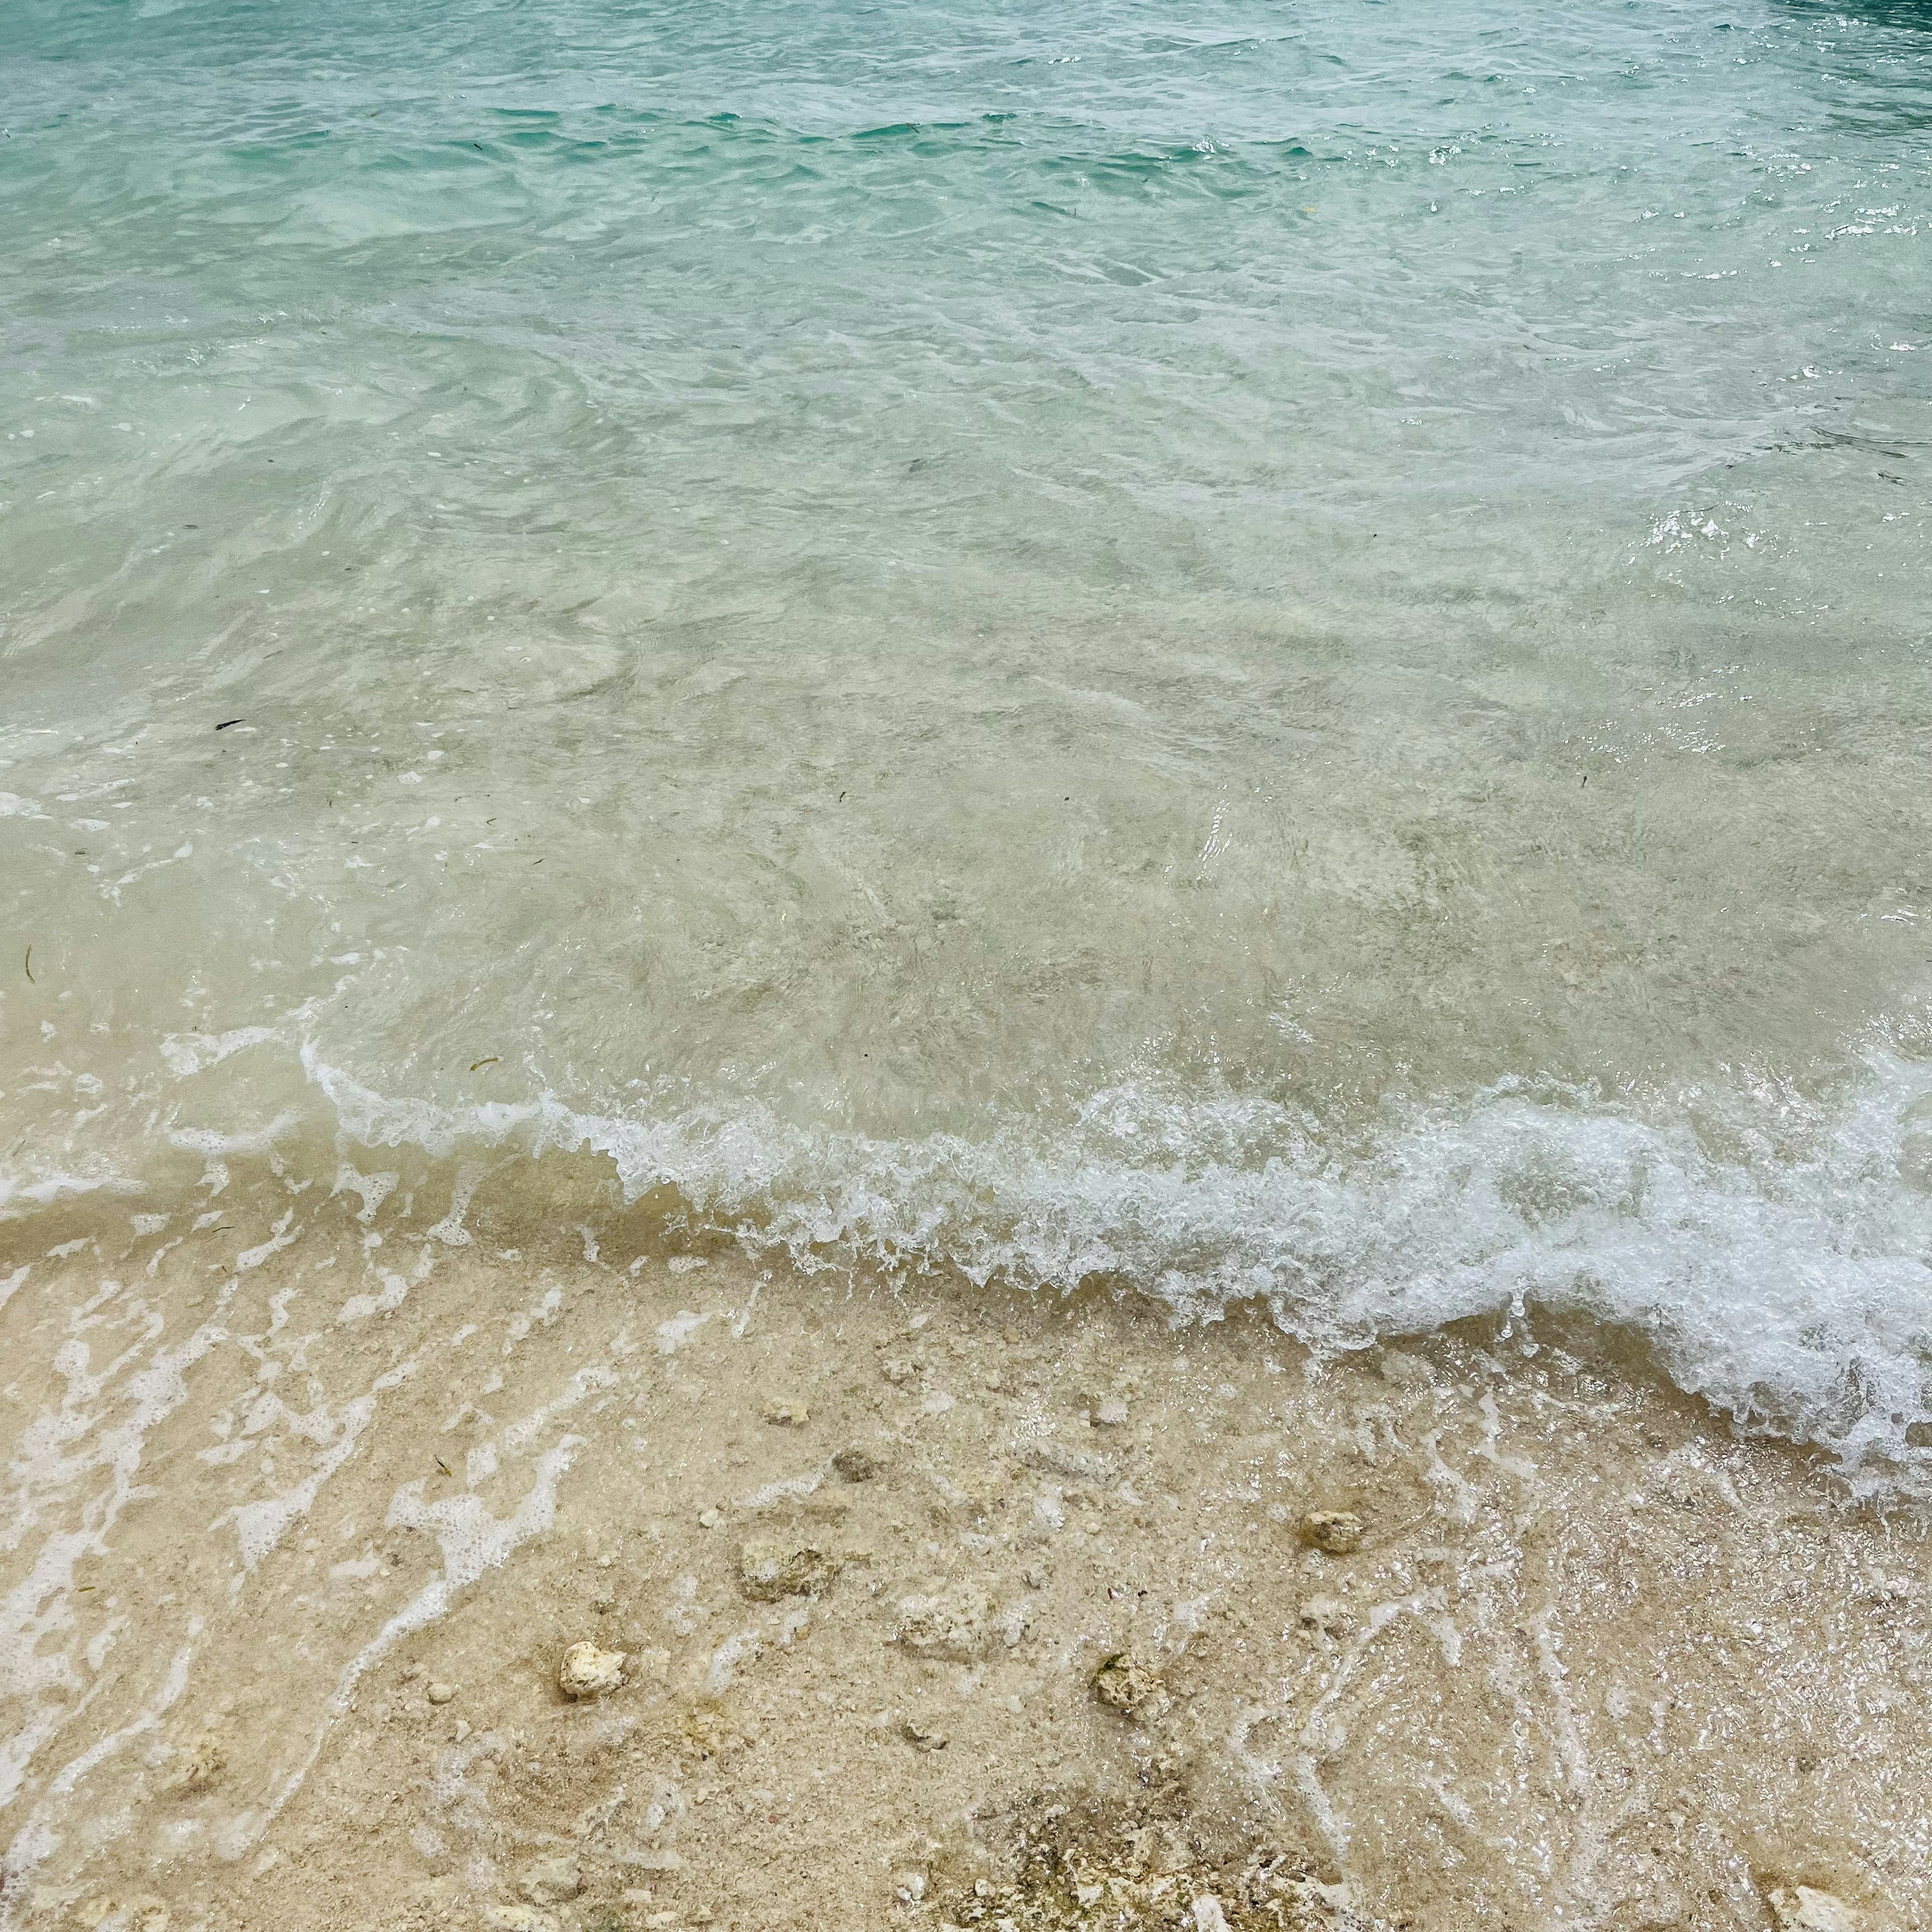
965	973
865	1548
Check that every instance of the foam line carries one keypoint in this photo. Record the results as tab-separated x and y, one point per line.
1792	1291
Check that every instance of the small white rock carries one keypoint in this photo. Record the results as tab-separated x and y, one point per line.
1334	1532
1124	1683
1803	1908
953	1626
909	1887
1111	1414
441	1693
1208	1916
709	1519
588	1672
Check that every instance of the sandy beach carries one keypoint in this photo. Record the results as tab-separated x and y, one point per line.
935	1606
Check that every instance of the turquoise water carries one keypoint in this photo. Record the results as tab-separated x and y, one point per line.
1278	651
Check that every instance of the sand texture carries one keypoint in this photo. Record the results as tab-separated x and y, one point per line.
900	1606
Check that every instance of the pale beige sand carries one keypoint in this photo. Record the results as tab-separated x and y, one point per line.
1597	1663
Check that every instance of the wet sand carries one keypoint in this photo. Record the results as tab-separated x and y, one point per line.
937	1605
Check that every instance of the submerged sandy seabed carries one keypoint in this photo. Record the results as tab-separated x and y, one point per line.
304	1517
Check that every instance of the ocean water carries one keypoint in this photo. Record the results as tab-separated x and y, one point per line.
1269	652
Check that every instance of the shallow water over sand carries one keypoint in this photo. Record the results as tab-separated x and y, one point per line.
1276	663
1284	661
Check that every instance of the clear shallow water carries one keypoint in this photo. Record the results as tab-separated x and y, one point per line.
1280	653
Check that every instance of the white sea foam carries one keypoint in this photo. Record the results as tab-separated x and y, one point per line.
261	1525
471	1541
66	1445
187	1054
1791	1289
